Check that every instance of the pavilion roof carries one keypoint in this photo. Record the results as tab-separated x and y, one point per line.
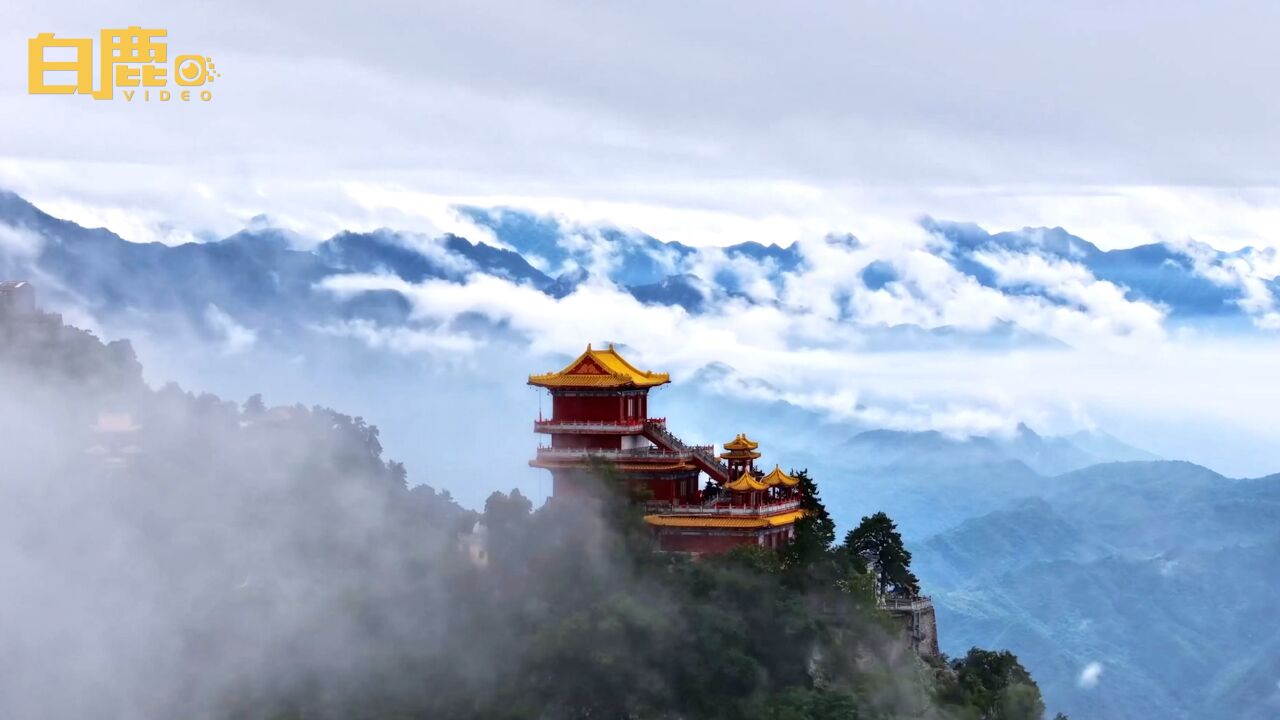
710	521
741	442
777	477
600	369
745	483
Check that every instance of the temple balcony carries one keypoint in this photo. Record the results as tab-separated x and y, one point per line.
905	604
633	455
724	508
590	427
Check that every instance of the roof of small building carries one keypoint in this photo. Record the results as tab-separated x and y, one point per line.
600	369
745	483
777	477
651	467
741	442
118	422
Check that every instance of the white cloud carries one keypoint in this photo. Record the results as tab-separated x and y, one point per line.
19	243
235	338
1090	675
1090	306
440	344
431	215
1249	270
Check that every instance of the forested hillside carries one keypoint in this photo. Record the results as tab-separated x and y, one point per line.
1157	575
177	555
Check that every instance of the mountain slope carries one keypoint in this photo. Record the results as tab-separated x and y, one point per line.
1159	572
1156	273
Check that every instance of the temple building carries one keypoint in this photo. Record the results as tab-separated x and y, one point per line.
600	413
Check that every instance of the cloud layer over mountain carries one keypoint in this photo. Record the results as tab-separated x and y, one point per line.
922	326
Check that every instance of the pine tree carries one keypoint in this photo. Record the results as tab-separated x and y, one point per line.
877	541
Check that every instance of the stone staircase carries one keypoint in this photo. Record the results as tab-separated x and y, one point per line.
703	456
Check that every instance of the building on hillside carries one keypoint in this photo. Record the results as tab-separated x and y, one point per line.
600	413
115	440
23	326
17	298
475	544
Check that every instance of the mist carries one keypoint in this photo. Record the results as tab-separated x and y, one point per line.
171	554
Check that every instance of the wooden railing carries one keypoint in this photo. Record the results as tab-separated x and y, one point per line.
719	506
890	602
602	426
611	454
704	455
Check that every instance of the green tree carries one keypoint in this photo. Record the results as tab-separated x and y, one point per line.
254	407
807	704
816	531
877	541
998	686
399	475
711	489
505	512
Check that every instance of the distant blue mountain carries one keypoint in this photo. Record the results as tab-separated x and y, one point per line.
259	276
894	449
1160	572
1154	273
929	481
390	252
637	259
270	280
682	290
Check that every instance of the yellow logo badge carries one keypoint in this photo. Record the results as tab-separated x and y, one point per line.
129	59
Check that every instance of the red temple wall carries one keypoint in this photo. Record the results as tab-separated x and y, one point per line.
599	407
594	442
670	489
568	481
663	490
672	542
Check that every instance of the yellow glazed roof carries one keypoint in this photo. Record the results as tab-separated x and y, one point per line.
741	442
724	522
777	477
651	467
600	368
745	483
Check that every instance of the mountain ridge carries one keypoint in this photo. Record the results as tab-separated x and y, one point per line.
114	273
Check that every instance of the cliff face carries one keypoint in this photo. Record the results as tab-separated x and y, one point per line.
919	624
41	340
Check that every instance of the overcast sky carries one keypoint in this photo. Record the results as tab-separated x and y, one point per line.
704	122
713	123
